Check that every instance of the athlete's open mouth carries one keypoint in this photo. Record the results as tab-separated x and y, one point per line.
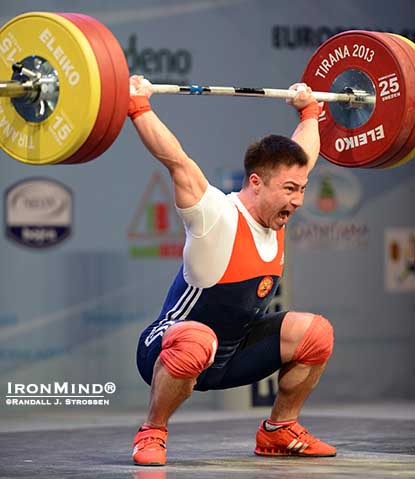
284	214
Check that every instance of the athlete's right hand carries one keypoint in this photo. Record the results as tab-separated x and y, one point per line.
140	86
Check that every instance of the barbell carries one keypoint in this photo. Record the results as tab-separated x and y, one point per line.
66	93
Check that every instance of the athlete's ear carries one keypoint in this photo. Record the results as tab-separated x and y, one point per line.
255	182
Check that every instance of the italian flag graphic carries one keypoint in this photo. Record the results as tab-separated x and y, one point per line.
326	199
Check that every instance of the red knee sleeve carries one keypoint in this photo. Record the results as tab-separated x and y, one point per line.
188	349
317	343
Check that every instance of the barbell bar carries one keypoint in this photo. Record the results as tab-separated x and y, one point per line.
67	59
354	98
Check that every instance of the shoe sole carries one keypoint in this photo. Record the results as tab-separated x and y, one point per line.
276	452
152	464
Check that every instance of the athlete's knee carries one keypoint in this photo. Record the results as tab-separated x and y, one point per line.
316	345
188	348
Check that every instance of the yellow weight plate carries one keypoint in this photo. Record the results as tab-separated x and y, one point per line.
411	154
64	46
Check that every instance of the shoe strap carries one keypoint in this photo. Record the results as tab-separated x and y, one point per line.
302	433
296	428
158	435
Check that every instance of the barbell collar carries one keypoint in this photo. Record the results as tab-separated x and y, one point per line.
22	70
354	98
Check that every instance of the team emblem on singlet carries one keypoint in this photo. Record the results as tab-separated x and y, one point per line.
264	286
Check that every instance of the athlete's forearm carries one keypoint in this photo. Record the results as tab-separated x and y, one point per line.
307	136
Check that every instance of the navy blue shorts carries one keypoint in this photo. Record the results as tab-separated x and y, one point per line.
256	357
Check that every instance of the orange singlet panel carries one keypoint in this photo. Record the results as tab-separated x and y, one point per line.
245	262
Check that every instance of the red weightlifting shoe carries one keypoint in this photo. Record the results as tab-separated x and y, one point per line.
293	440
150	446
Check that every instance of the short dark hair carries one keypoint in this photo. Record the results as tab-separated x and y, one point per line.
264	156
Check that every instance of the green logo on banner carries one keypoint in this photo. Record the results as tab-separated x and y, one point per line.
156	229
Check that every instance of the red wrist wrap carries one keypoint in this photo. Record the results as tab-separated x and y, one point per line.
312	110
137	106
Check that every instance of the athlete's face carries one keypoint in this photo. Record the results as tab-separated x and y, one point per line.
280	197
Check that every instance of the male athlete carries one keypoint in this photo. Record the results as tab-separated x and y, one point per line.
213	331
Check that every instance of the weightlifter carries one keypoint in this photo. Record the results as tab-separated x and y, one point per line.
213	331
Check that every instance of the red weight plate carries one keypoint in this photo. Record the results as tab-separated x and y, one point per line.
380	136
107	101
120	67
409	145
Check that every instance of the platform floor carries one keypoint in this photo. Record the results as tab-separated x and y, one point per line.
207	445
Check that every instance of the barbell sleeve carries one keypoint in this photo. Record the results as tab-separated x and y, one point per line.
15	89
